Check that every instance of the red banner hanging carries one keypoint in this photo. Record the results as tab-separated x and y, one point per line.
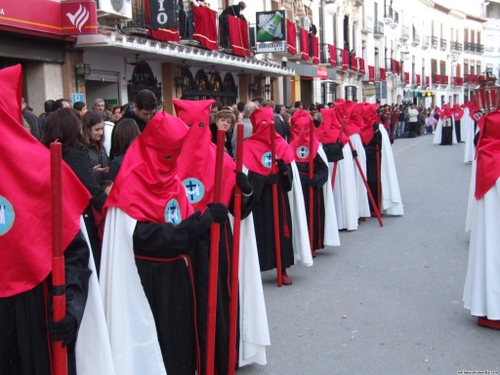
304	44
427	81
291	37
417	76
333	55
205	27
354	63
345	59
407	78
362	69
371	74
446	80
315	49
383	76
238	36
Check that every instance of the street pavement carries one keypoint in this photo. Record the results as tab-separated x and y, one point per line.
389	299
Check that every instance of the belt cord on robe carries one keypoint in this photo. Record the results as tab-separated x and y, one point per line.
233	298
335	163
277	238
356	159
214	259
311	191
58	272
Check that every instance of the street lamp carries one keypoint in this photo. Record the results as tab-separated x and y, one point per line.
267	89
486	96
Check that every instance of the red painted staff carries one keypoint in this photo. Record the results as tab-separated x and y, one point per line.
58	273
277	238
233	299
214	259
311	191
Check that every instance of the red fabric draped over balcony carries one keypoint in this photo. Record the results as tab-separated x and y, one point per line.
291	37
437	79
362	69
460	81
333	55
455	81
315	49
304	44
446	80
354	63
383	76
407	77
205	27
427	81
417	76
371	73
345	59
166	35
393	66
238	36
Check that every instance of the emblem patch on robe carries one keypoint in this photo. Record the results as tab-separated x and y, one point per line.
7	215
195	189
267	159
302	152
173	212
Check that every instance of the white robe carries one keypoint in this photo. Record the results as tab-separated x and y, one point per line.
482	289
362	194
392	203
344	193
331	236
439	132
93	350
467	126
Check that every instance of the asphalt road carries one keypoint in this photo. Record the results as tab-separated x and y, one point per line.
389	299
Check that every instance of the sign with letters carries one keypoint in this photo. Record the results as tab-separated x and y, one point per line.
163	14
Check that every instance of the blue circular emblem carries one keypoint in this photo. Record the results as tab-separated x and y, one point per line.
173	212
195	189
267	159
302	152
7	216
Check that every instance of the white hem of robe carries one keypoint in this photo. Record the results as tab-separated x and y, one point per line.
467	124
392	204
362	194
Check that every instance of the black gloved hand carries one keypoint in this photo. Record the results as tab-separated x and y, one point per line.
64	331
272	179
243	184
282	165
218	211
310	182
199	224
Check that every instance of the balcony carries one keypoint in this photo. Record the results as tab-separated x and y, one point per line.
468	46
367	25
425	41
457	47
481	48
395	20
388	15
435	42
405	33
416	39
443	44
378	30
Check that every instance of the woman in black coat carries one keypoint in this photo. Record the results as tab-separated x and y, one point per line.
93	134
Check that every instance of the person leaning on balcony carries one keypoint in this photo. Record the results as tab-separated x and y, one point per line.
235	10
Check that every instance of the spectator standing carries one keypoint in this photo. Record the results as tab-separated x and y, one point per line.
32	121
93	134
413	119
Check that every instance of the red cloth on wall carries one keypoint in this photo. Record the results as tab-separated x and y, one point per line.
315	49
345	59
371	74
165	35
304	44
238	36
383	76
291	37
205	27
333	55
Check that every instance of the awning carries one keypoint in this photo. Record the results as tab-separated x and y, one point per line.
112	43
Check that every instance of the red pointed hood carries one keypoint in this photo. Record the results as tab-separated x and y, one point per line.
148	187
369	120
257	150
301	124
457	112
329	130
25	218
196	165
446	112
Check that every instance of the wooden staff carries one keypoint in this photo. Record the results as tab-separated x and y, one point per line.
277	235
311	190
233	298
214	259
58	271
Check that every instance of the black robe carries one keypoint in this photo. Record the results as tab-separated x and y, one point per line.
24	340
320	177
447	132
373	178
262	210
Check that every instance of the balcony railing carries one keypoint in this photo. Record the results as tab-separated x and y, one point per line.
368	24
405	33
444	44
468	46
435	42
416	39
379	29
426	42
388	14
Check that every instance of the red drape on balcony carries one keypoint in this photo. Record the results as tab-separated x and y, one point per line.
407	78
315	49
291	37
461	81
446	80
304	44
455	81
383	76
417	76
362	69
371	73
205	27
354	63
437	78
393	66
398	67
166	35
238	36
333	55
345	59
427	81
